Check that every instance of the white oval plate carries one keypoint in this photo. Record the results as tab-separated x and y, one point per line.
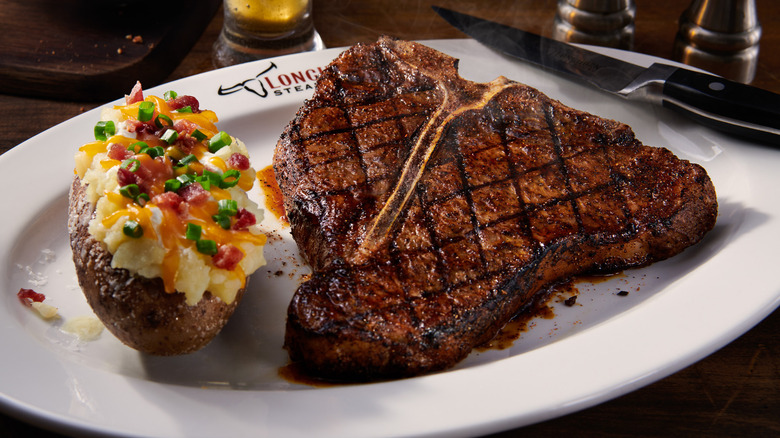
677	311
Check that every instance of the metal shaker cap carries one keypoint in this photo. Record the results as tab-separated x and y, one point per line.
600	22
721	36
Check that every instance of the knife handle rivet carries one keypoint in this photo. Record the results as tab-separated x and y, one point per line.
717	86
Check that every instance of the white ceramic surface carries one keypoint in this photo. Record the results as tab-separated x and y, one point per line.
677	311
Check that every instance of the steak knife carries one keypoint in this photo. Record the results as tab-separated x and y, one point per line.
711	100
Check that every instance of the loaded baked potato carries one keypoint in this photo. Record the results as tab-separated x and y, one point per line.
162	231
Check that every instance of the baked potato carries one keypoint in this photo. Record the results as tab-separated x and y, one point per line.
162	231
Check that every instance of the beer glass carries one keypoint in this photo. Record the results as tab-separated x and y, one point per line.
256	29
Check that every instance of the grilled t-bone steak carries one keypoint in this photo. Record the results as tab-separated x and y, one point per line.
432	208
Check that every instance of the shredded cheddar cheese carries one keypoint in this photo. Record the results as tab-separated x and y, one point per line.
147	188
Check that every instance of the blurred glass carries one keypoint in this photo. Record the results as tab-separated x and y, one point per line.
257	29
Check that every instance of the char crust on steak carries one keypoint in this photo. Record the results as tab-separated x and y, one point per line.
432	208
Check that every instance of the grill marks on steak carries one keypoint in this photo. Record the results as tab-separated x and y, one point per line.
515	193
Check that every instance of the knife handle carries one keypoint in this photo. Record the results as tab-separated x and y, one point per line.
725	105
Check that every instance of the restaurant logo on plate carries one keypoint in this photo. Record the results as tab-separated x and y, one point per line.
270	83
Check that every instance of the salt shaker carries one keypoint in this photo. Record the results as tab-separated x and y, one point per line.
721	36
607	23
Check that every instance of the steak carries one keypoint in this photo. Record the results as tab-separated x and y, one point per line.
432	208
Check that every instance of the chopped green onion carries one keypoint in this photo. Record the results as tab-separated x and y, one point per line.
197	135
145	111
229	179
219	141
133	229
153	152
170	136
142	199
104	129
184	109
191	158
193	232
204	182
130	191
208	247
222	220
172	185
170	94
228	207
162	118
137	147
214	177
131	164
186	179
158	121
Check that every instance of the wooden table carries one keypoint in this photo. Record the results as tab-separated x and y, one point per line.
733	392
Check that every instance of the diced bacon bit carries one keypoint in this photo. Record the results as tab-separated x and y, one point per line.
149	171
125	177
133	125
244	219
183	209
29	296
168	200
238	161
143	130
227	257
185	100
156	168
139	127
136	94
194	194
184	127
119	152
186	141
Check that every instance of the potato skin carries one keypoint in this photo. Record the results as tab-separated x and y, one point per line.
137	310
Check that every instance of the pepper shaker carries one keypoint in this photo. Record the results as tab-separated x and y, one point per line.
607	23
721	36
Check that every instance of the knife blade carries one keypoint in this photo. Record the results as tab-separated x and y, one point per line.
708	99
